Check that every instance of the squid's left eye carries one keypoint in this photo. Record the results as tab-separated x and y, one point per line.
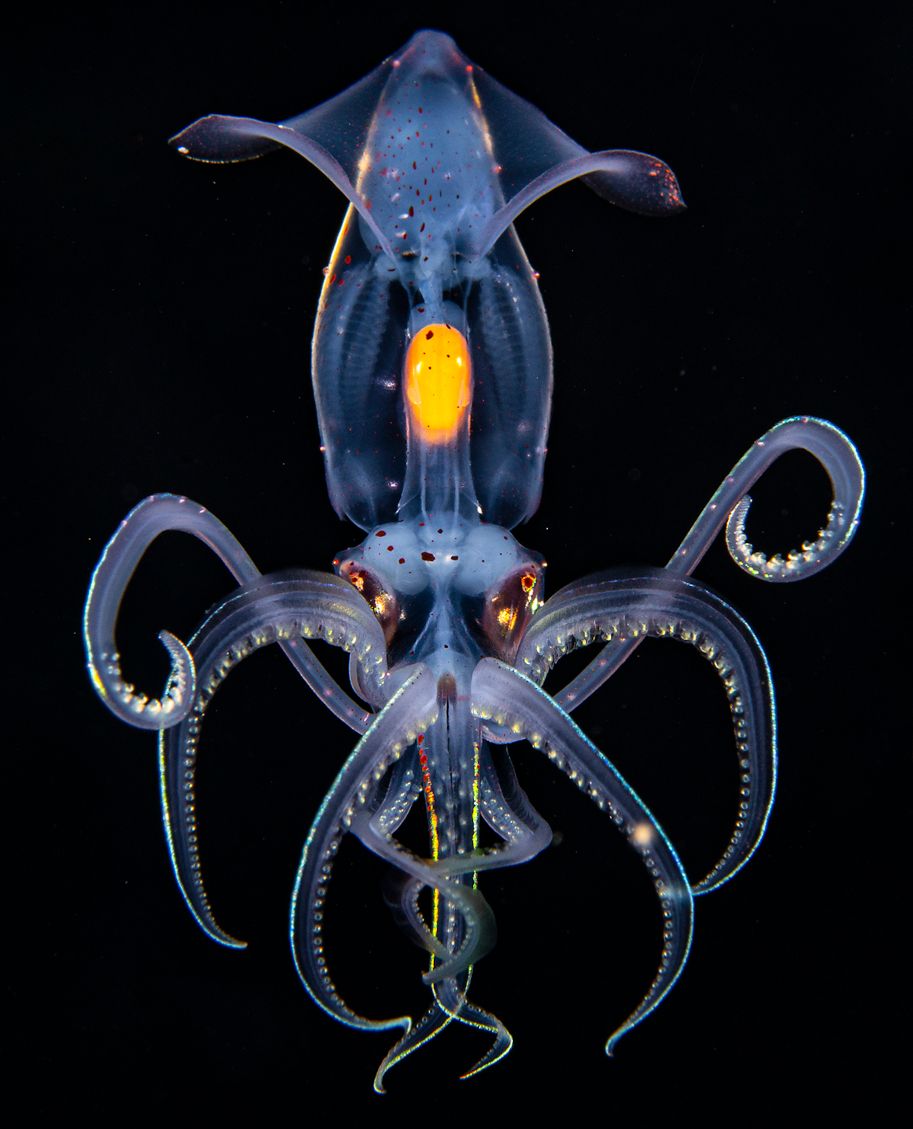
381	600
507	609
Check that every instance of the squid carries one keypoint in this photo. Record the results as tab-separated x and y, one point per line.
432	374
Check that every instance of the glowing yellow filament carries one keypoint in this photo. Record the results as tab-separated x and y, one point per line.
433	830
438	382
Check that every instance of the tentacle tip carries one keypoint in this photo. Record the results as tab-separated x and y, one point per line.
184	678
493	1057
390	1059
224	939
614	1039
180	656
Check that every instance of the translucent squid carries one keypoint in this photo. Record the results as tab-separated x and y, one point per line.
432	374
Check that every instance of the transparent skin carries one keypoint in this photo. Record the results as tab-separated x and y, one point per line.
432	374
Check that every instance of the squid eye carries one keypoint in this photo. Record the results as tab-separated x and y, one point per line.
508	607
381	600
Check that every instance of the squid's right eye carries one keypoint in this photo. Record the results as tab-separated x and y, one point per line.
380	599
508	607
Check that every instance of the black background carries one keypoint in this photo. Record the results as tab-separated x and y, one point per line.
163	345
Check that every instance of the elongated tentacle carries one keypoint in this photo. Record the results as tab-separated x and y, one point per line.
510	698
347	807
729	506
442	875
655	603
501	1044
162	513
506	808
450	1005
522	844
409	710
451	998
274	608
431	1024
401	892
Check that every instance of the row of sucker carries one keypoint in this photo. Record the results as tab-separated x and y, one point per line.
347	804
614	611
732	501
503	695
623	629
249	619
145	711
813	554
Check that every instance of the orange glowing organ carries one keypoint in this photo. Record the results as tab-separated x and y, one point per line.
438	382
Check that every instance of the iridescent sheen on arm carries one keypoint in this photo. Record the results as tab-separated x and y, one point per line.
170	513
729	506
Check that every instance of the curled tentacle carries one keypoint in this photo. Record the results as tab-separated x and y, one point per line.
442	875
410	709
281	606
729	506
730	503
507	810
655	603
510	698
164	513
403	899
840	459
109	582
